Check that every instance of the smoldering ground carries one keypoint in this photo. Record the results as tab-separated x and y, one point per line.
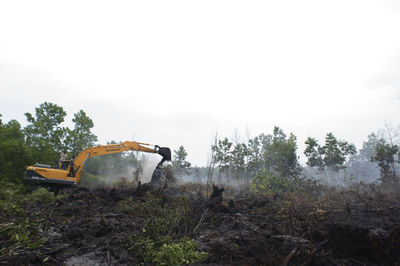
312	224
309	226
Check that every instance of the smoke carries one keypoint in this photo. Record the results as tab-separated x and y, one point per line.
365	173
357	171
199	175
148	166
190	178
107	172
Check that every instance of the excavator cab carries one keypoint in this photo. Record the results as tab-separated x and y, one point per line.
64	165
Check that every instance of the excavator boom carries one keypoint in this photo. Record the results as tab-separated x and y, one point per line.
45	174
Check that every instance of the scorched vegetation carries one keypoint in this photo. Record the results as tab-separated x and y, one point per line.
254	203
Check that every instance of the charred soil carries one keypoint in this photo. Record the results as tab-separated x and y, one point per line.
94	226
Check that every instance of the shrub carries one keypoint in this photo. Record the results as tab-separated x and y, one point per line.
160	241
267	181
172	214
151	206
184	251
41	195
163	251
9	189
20	220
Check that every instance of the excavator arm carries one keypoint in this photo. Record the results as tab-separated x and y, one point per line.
80	160
46	174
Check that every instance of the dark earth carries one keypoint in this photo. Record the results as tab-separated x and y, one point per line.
358	226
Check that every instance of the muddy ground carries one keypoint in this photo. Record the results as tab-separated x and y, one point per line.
359	226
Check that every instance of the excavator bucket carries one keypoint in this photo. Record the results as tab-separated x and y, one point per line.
160	170
165	153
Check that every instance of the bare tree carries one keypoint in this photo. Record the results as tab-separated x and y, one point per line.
392	135
247	154
236	136
211	160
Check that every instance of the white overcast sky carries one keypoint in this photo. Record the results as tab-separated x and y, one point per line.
173	72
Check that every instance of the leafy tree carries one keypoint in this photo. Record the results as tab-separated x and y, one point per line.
392	136
386	157
44	134
280	157
181	165
47	139
368	150
265	180
256	149
361	166
332	155
266	141
222	152
276	153
81	137
14	155
314	153
254	155
238	158
335	152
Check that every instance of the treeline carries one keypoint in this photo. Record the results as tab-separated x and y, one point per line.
276	155
42	140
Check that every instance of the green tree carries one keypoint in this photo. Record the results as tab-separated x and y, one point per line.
222	153
368	150
266	181
254	160
360	167
386	157
180	163
44	133
314	153
81	136
280	157
47	139
336	152
14	155
256	149
238	159
332	155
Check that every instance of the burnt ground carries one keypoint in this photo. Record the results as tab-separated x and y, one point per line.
359	226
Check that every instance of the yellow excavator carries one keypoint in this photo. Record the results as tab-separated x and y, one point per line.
69	173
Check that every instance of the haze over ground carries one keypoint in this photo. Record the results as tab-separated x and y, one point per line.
173	72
